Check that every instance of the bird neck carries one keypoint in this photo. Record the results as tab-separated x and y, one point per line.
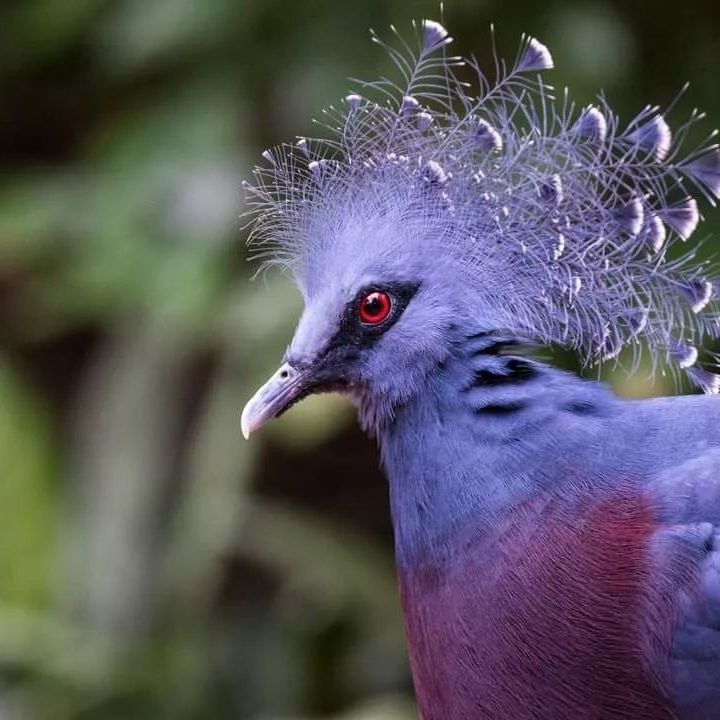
478	439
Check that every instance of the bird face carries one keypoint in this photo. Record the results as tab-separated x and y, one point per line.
373	333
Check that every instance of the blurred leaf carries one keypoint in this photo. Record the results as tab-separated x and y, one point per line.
313	421
27	494
330	565
36	212
390	708
139	32
595	42
42	28
197	119
144	224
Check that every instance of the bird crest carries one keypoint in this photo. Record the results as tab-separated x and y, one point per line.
565	222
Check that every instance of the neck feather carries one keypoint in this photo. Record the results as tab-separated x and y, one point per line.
475	440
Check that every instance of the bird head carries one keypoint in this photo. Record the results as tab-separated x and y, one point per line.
381	311
437	209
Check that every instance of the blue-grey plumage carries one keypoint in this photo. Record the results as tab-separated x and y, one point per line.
472	454
558	548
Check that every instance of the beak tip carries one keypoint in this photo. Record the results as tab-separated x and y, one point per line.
246	425
272	398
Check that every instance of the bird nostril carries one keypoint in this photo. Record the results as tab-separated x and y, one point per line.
284	374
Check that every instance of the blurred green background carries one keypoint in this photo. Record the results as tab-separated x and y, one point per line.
152	563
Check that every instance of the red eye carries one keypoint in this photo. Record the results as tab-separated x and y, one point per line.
374	308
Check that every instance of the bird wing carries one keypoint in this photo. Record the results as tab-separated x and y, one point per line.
689	495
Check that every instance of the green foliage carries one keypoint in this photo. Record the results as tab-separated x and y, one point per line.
27	496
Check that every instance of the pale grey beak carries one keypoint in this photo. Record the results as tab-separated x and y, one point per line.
282	390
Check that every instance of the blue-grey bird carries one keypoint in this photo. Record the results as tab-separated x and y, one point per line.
557	547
